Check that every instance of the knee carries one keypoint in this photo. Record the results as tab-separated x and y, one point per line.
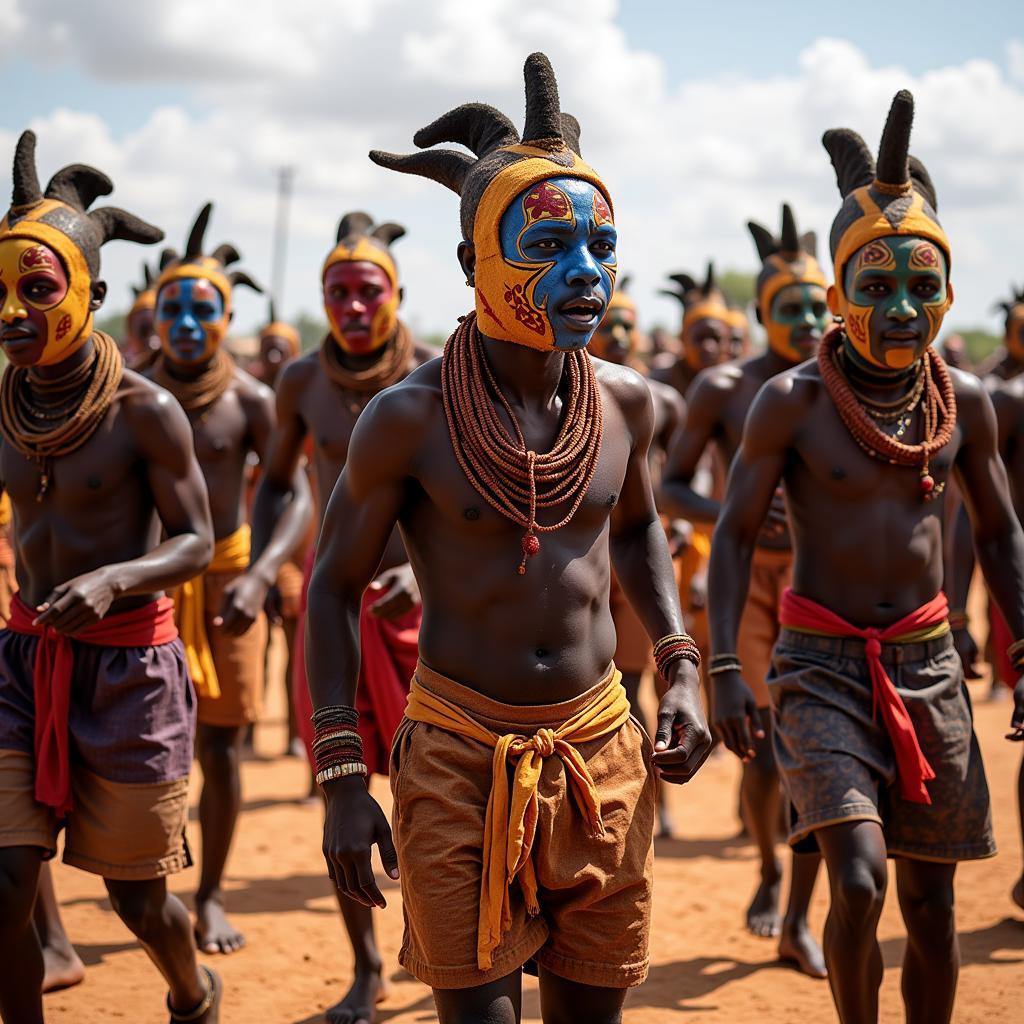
930	915
19	872
140	910
218	749
859	891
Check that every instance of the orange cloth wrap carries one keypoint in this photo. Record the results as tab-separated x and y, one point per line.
148	626
802	613
511	817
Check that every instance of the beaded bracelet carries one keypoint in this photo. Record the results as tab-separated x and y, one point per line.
340	771
726	666
958	619
675	647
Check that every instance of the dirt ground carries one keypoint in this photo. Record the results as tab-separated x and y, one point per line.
704	965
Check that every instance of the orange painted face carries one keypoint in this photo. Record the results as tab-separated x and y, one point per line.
895	296
44	311
1014	338
361	302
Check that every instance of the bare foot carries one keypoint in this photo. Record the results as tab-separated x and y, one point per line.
62	968
368	991
763	912
214	932
1017	895
797	946
208	1011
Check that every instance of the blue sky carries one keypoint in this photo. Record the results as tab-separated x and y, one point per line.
701	116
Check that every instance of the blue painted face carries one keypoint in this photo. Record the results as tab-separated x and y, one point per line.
190	319
559	234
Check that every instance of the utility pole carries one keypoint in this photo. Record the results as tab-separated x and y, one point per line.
285	178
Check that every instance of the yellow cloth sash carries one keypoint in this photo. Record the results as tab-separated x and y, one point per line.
510	826
230	554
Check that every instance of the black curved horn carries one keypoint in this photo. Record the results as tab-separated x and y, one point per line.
448	167
851	158
893	165
26	189
194	245
543	109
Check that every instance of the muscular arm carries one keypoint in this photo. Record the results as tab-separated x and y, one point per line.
755	473
678	496
359	519
282	465
290	527
245	596
640	555
998	538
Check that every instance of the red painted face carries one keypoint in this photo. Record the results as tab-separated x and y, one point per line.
360	302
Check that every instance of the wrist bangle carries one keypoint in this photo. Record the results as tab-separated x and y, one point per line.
726	666
340	771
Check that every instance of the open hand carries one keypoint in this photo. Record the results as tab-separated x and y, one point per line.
683	740
964	645
78	603
354	822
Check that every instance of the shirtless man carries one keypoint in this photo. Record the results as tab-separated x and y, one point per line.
865	439
1007	362
792	309
99	465
279	342
515	602
220	614
320	396
141	344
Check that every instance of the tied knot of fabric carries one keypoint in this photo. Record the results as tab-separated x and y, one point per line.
511	818
912	767
542	741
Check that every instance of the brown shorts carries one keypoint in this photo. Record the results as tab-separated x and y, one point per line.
770	574
633	648
595	894
837	762
239	661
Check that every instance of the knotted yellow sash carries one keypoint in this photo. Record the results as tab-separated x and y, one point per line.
230	554
510	825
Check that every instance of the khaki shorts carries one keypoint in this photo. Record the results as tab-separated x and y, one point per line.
770	574
594	893
239	661
117	830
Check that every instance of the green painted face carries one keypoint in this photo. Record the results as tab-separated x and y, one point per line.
797	320
898	293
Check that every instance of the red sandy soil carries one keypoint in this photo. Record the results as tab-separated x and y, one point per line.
704	965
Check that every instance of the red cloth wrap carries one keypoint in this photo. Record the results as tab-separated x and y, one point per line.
148	626
911	764
389	654
1000	640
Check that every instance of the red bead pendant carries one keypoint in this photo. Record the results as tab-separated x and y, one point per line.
927	483
531	545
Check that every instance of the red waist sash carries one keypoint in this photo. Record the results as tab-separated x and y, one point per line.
148	626
911	765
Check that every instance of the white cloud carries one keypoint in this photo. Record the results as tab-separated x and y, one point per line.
317	85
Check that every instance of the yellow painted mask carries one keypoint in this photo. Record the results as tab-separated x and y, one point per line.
362	309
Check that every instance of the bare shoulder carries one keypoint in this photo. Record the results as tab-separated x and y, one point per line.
410	403
251	392
298	373
152	414
972	394
666	395
782	407
630	390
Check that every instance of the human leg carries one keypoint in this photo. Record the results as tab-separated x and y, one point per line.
760	797
855	856
368	986
21	958
931	963
1018	889
219	750
569	1002
63	966
161	923
796	943
497	1002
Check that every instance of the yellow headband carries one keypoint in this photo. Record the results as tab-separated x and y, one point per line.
707	309
279	329
364	251
803	270
874	224
620	300
144	300
205	267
